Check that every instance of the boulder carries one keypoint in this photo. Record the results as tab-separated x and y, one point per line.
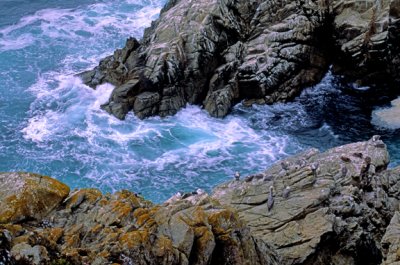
25	196
36	255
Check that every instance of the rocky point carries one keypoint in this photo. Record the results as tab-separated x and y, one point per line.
336	207
215	53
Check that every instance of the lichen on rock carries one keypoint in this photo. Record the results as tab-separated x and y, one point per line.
336	207
26	196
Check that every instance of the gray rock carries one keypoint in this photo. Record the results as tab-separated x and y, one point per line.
391	241
217	53
331	219
36	255
327	220
25	196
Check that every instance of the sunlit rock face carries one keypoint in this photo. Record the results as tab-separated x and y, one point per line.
336	207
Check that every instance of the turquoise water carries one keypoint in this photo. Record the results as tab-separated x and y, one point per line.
50	123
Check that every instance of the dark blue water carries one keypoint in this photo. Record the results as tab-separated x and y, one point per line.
50	123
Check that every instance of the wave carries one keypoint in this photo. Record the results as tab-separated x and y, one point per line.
387	117
65	133
96	22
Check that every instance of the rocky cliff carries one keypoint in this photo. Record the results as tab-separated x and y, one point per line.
216	53
336	207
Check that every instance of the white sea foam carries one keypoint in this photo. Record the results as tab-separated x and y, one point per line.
38	127
158	155
97	22
387	117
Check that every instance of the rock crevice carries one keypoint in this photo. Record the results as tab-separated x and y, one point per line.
216	53
336	207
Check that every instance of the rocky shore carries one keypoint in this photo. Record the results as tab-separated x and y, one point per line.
216	53
336	207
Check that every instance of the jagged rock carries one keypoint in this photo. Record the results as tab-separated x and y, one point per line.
366	34
216	53
91	228
328	218
32	255
25	196
391	241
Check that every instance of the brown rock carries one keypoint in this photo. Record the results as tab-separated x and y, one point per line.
327	219
26	196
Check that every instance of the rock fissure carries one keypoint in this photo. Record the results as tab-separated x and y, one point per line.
333	221
286	46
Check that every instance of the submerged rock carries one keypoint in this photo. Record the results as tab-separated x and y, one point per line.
328	218
216	53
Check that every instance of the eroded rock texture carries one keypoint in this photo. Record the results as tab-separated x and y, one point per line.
91	228
337	207
329	208
217	52
367	36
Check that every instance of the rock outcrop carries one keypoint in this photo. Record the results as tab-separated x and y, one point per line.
217	52
391	241
366	36
329	208
336	207
91	228
28	196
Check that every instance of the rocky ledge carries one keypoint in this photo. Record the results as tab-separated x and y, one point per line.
216	53
336	207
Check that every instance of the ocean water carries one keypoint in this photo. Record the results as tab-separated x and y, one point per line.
50	123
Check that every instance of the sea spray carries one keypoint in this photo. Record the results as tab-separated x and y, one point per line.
51	123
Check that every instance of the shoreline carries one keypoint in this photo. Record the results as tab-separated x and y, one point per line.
319	199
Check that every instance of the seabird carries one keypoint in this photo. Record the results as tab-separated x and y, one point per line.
285	165
270	202
359	155
187	195
237	176
314	168
286	192
249	178
200	191
344	171
345	159
376	138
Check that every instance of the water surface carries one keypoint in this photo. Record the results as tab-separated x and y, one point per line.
50	123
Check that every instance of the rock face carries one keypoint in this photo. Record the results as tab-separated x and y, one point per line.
91	228
367	36
337	207
25	196
217	52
